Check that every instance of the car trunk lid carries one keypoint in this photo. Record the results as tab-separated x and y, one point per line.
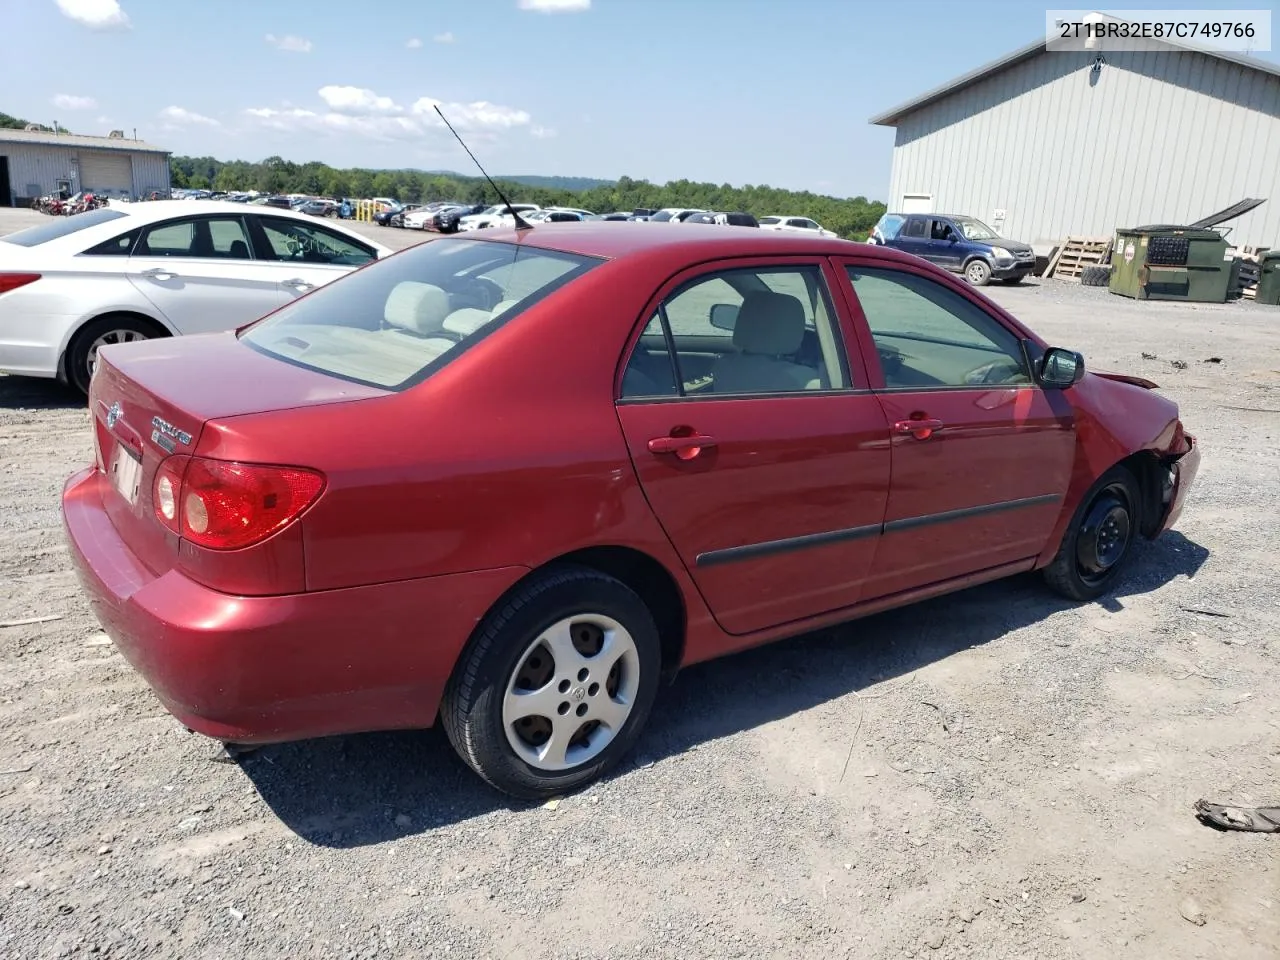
151	400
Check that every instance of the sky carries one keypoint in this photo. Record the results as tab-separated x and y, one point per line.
775	92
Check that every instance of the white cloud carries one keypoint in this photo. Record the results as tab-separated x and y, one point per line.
182	116
413	43
357	100
555	6
479	114
65	101
290	43
362	112
446	37
94	14
104	120
542	133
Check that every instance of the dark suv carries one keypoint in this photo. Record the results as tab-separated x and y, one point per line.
960	244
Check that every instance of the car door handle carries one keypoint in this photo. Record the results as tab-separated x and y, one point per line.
922	428
297	283
685	448
158	273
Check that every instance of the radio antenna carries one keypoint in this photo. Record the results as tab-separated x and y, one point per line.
521	224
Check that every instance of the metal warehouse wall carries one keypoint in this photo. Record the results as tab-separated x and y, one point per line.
42	166
1154	138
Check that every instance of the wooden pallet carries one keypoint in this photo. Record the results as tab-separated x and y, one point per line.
1076	253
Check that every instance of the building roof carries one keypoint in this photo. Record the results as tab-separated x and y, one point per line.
890	118
45	139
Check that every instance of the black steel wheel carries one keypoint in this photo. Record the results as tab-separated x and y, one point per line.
1099	539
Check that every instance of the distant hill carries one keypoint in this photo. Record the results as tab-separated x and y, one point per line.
559	183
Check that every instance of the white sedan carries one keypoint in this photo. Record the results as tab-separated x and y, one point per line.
163	268
796	225
493	216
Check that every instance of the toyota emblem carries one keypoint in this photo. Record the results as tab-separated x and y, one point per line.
113	415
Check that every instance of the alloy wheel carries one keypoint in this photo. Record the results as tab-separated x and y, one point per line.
108	338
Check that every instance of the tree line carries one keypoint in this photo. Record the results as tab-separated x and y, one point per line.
850	217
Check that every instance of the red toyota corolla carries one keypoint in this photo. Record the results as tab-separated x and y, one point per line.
514	481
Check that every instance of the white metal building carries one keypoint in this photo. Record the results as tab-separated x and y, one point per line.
35	163
1044	144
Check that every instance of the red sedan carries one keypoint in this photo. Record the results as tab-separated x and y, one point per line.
513	481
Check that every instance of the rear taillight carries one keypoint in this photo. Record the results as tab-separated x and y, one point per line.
222	505
12	281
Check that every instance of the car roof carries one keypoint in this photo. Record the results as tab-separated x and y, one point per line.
615	239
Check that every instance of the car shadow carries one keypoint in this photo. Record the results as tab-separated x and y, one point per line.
366	789
36	393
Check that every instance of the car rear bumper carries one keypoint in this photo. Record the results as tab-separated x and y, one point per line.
31	340
1183	471
268	669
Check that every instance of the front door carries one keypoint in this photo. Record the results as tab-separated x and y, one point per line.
200	273
982	457
303	255
946	248
758	446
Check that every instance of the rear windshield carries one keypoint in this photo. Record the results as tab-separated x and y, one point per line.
395	322
62	227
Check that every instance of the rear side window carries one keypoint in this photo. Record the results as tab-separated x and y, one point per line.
62	227
396	322
915	228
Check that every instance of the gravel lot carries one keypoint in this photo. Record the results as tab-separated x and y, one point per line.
997	774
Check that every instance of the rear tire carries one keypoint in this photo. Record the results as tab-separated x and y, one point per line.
1099	540
82	352
556	685
977	273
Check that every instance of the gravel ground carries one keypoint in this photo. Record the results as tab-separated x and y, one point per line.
997	774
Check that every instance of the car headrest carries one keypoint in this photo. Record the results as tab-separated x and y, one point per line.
417	307
467	320
504	306
769	323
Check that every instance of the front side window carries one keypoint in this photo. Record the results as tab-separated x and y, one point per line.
929	337
395	323
293	241
744	331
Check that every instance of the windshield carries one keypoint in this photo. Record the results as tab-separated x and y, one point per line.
394	323
976	229
767	221
62	227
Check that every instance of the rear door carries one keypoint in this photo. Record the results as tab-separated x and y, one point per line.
760	449
302	256
201	274
982	457
913	238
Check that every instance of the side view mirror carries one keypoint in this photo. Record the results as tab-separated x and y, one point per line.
724	316
1060	368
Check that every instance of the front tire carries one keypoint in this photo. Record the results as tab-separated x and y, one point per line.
556	685
1100	538
977	273
82	352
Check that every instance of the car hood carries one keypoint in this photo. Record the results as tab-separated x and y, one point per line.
1013	246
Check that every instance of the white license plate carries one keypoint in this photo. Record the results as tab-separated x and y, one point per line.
126	473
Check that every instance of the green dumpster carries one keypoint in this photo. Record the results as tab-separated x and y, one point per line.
1172	262
1268	290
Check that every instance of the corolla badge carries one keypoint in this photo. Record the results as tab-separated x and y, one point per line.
164	434
113	415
